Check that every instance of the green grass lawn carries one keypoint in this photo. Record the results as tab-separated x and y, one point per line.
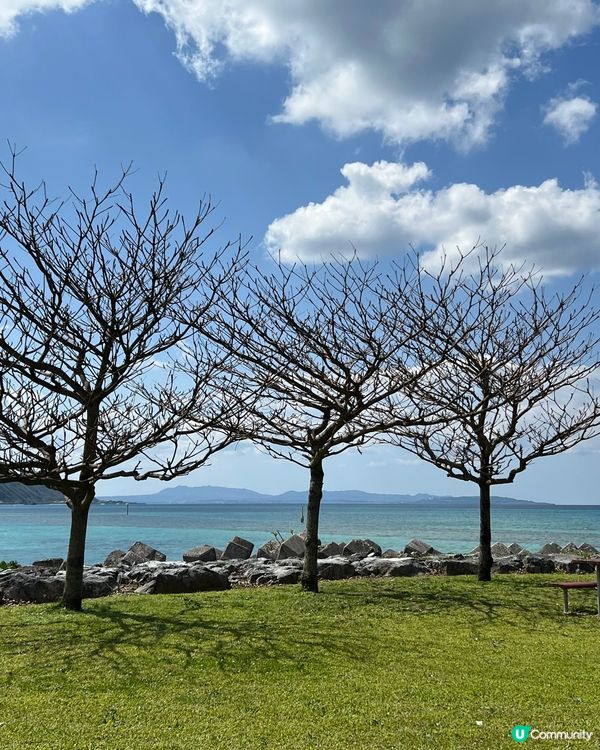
403	663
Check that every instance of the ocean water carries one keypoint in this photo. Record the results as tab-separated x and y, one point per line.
29	532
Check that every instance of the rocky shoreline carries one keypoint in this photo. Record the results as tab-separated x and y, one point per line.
145	570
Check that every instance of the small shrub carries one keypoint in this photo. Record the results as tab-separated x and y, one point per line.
4	565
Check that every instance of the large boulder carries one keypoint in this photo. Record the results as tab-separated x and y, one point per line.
538	564
335	568
140	552
19	586
512	564
287	575
515	549
130	560
588	548
362	547
114	558
187	580
459	567
146	571
568	564
408	568
418	547
550	549
381	566
332	549
293	546
237	549
499	549
99	583
269	550
391	553
203	553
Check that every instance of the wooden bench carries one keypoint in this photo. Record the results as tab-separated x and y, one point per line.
567	585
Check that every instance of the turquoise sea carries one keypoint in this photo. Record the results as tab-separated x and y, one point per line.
32	532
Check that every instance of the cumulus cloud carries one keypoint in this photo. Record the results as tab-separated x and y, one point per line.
571	117
410	70
10	10
384	209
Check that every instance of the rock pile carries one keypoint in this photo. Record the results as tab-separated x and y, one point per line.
145	570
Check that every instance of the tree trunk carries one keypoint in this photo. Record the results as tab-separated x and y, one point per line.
485	533
73	592
309	578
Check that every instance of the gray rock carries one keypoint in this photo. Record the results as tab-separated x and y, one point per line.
459	567
19	586
187	580
293	546
408	568
335	569
145	571
362	547
538	564
372	566
570	549
512	564
551	549
203	553
418	547
333	549
130	559
53	563
391	553
145	552
269	550
585	547
287	575
97	585
237	549
515	548
114	558
381	566
500	550
568	564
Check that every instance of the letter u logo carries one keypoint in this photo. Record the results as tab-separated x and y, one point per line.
520	733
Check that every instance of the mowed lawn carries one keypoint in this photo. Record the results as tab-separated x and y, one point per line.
367	664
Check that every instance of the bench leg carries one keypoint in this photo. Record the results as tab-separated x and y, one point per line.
566	600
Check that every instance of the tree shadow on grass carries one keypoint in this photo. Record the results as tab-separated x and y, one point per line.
194	632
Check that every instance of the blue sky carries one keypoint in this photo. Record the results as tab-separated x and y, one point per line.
450	121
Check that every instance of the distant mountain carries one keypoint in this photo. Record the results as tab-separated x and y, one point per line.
182	495
15	493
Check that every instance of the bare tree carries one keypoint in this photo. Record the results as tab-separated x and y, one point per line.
331	357
516	383
96	300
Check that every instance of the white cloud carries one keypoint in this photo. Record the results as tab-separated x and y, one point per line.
571	117
10	10
382	210
411	70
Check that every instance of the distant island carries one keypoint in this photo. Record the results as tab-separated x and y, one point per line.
16	493
183	495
